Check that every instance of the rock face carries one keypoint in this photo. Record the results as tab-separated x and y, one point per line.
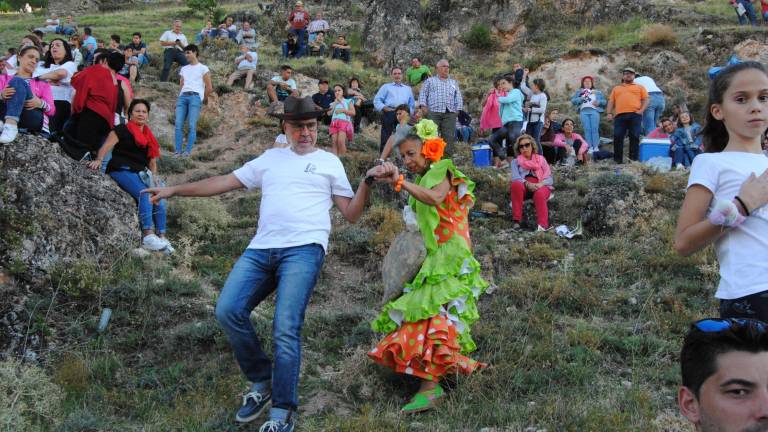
55	211
392	32
84	7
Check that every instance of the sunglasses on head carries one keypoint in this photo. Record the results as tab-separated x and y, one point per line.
716	325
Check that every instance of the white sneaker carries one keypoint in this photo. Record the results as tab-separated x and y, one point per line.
540	228
153	243
168	248
9	133
590	151
680	167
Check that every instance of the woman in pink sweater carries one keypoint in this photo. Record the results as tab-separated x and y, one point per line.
571	142
25	102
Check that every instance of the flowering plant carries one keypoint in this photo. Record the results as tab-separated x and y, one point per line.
433	148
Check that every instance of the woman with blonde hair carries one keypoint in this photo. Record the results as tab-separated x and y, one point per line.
531	178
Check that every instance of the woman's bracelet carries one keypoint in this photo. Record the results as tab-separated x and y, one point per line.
725	213
399	183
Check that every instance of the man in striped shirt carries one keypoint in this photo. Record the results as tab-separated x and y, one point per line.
442	97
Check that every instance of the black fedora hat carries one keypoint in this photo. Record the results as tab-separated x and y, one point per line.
299	109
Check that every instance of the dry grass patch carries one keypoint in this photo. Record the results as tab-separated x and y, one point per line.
658	35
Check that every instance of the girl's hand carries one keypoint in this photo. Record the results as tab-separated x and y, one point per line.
33	103
8	92
754	191
95	165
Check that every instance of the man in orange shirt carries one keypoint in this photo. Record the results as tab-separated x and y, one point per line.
630	100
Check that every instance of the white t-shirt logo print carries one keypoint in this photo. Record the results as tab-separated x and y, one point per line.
311	168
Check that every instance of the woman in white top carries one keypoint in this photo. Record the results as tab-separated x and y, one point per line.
536	107
728	189
57	69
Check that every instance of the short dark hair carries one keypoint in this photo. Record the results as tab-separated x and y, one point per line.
321	32
39	34
87	31
285	67
115	38
136	34
115	60
11	51
192	48
322	81
136	102
698	357
100	54
403	107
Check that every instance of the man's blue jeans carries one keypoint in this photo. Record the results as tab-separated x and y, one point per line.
624	123
143	59
149	215
464	133
590	120
653	113
171	55
534	129
749	14
187	110
292	273
301	35
684	155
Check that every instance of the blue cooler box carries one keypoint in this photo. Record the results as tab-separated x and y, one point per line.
652	147
481	154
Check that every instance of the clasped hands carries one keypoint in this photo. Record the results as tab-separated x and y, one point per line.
384	173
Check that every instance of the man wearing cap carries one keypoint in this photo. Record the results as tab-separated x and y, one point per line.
630	101
299	185
387	99
298	20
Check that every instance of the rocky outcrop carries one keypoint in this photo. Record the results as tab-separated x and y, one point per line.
85	7
613	202
54	211
392	32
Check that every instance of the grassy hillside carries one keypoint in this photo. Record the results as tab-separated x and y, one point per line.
581	335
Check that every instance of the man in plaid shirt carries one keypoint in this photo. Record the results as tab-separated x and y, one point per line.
442	96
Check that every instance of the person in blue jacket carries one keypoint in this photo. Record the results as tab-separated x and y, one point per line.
590	102
686	141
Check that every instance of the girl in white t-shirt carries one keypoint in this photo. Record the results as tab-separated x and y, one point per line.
728	190
341	129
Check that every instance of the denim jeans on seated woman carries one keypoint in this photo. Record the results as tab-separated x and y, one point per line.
149	215
13	107
290	272
684	155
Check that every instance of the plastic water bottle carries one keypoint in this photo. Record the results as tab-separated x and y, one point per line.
106	314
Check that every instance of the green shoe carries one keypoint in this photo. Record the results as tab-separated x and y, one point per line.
424	401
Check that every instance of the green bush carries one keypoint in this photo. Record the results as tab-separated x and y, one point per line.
29	400
479	37
5	6
208	7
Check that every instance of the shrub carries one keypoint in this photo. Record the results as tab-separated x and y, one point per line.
199	217
29	400
479	37
599	33
5	6
79	279
658	183
208	7
658	35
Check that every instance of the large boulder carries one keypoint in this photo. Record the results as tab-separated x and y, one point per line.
610	204
54	211
392	33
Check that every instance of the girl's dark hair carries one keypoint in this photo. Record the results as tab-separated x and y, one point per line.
115	61
714	135
538	82
568	120
355	79
343	90
67	53
137	102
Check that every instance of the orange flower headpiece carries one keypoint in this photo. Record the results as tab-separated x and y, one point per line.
433	149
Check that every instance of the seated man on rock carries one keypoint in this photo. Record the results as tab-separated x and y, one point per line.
341	49
323	98
281	86
290	46
245	66
317	47
724	368
247	36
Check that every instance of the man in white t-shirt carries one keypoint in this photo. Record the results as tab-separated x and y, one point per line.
195	86
652	114
299	185
281	86
173	43
245	66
